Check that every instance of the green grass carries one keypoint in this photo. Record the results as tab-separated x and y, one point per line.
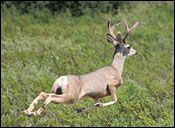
37	50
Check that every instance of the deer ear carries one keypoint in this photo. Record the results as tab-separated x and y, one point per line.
111	40
119	37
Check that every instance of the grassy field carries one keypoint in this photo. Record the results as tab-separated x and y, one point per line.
37	50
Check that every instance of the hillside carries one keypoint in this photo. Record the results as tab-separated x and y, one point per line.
35	51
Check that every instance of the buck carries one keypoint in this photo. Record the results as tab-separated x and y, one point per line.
102	82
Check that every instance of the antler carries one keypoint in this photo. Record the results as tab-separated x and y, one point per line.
128	30
110	35
118	38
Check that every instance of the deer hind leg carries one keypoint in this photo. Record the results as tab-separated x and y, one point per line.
42	96
53	99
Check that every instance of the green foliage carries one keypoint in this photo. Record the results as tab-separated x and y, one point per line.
75	8
37	49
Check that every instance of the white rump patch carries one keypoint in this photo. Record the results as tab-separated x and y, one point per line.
61	81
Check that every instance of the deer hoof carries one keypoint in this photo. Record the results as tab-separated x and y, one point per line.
29	115
98	104
79	110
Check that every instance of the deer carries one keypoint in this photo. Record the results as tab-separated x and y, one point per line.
69	89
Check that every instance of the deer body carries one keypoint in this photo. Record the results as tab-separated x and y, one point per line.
102	82
94	84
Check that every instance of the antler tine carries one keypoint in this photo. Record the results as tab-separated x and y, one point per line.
109	28
115	25
110	36
126	25
128	30
134	26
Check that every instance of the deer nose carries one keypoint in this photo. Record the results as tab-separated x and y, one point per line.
136	53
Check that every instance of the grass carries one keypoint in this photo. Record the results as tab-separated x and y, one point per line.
37	50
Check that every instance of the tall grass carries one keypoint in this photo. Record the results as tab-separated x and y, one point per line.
36	50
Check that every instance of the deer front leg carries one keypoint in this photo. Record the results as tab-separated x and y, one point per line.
89	108
96	100
112	90
41	96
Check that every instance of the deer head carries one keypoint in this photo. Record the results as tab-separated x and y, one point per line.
120	42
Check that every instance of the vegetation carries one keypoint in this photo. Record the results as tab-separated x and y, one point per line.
37	49
75	8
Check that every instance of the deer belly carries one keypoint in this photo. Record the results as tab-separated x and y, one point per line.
101	90
99	94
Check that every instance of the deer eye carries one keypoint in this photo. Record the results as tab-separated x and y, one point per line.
129	47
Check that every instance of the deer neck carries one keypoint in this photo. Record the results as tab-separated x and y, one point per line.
118	62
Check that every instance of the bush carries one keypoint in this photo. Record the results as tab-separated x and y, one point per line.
75	8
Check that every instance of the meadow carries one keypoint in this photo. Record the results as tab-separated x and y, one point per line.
36	50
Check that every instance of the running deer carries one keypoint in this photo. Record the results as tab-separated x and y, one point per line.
102	82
